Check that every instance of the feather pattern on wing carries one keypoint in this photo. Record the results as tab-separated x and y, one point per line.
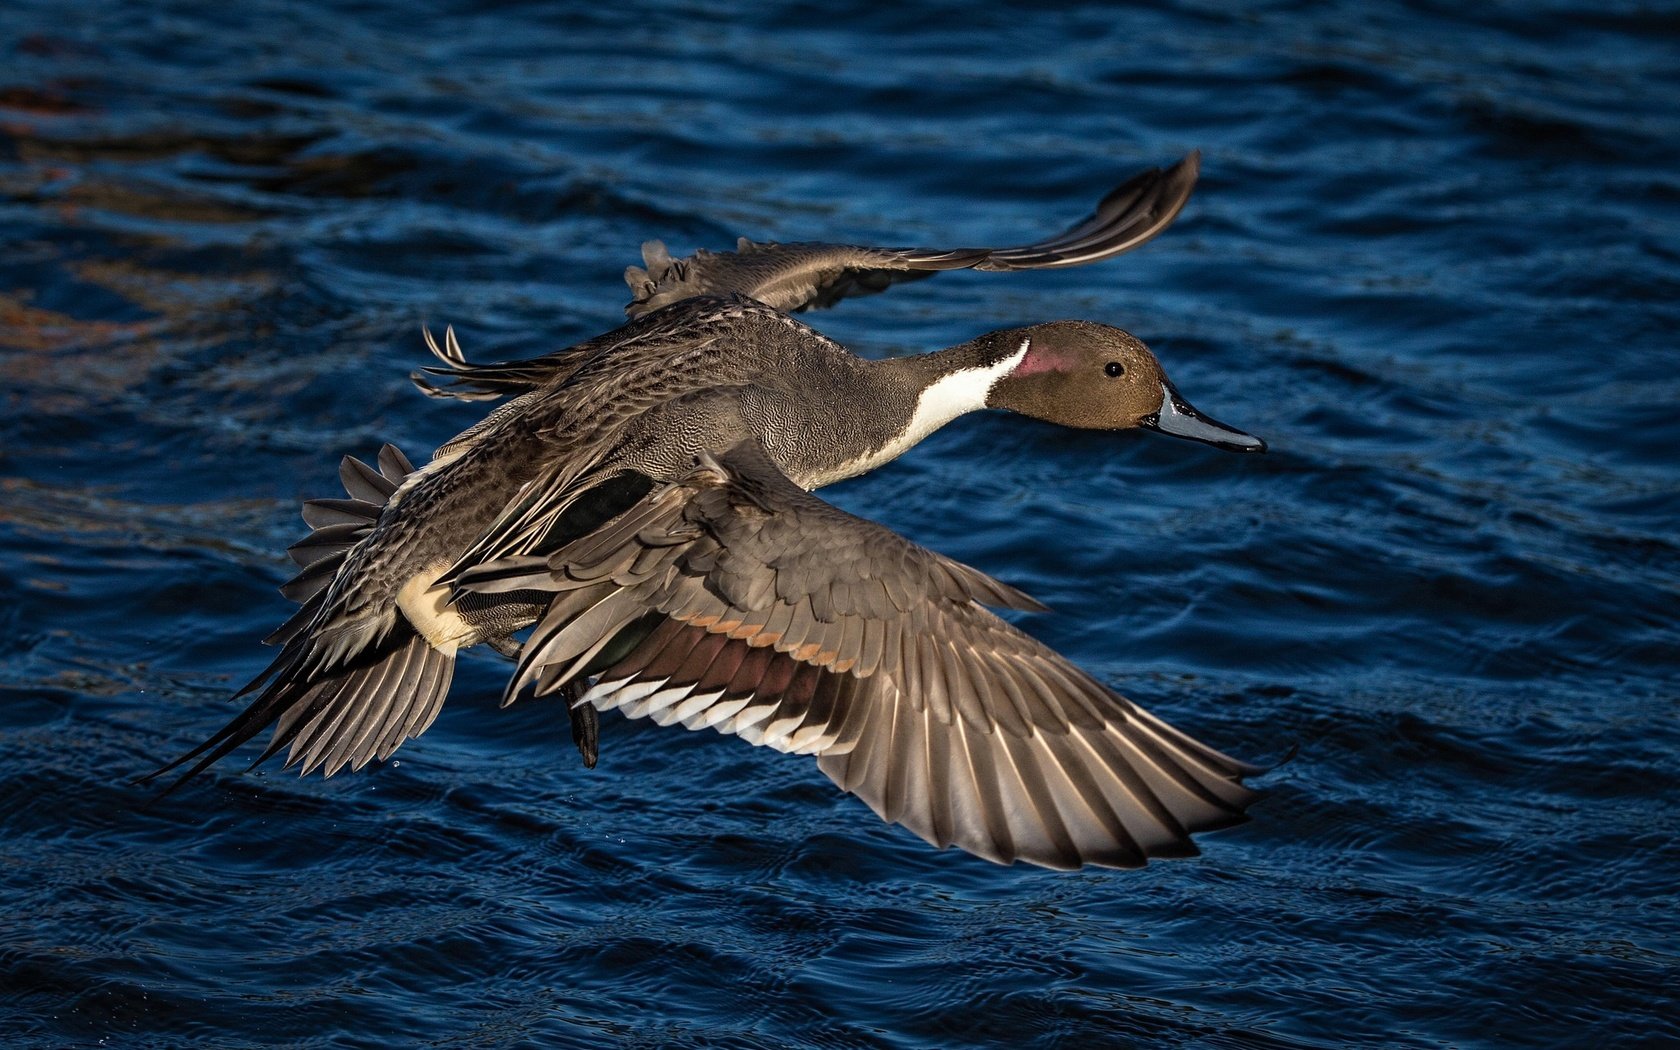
732	599
800	276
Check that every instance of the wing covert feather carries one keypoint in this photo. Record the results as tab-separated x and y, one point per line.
768	613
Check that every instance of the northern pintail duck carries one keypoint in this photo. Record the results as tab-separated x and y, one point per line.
646	510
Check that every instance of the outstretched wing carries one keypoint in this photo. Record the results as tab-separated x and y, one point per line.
800	276
736	600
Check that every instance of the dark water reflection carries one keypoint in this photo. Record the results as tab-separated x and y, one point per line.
1433	260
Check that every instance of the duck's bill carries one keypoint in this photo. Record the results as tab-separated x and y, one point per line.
1178	419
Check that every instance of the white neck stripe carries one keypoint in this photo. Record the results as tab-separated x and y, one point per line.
947	398
941	401
959	394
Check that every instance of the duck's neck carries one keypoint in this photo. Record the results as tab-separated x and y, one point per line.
977	362
929	390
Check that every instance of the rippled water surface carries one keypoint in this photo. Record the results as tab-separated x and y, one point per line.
1434	259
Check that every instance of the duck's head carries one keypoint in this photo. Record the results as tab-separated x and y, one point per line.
1082	374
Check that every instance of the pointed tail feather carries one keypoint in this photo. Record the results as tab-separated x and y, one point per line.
476	382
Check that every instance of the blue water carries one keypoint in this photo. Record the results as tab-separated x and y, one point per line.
1434	259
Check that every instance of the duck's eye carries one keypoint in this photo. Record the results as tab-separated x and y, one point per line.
1114	370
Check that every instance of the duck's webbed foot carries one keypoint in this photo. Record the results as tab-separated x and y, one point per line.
586	723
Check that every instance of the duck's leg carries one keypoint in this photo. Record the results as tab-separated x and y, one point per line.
586	724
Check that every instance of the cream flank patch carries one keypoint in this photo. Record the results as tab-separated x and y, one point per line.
942	401
425	604
421	602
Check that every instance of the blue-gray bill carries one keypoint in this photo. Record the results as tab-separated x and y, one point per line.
1177	418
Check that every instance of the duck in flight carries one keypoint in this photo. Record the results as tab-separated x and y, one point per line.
643	506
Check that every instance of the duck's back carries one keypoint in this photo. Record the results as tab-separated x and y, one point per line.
695	377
